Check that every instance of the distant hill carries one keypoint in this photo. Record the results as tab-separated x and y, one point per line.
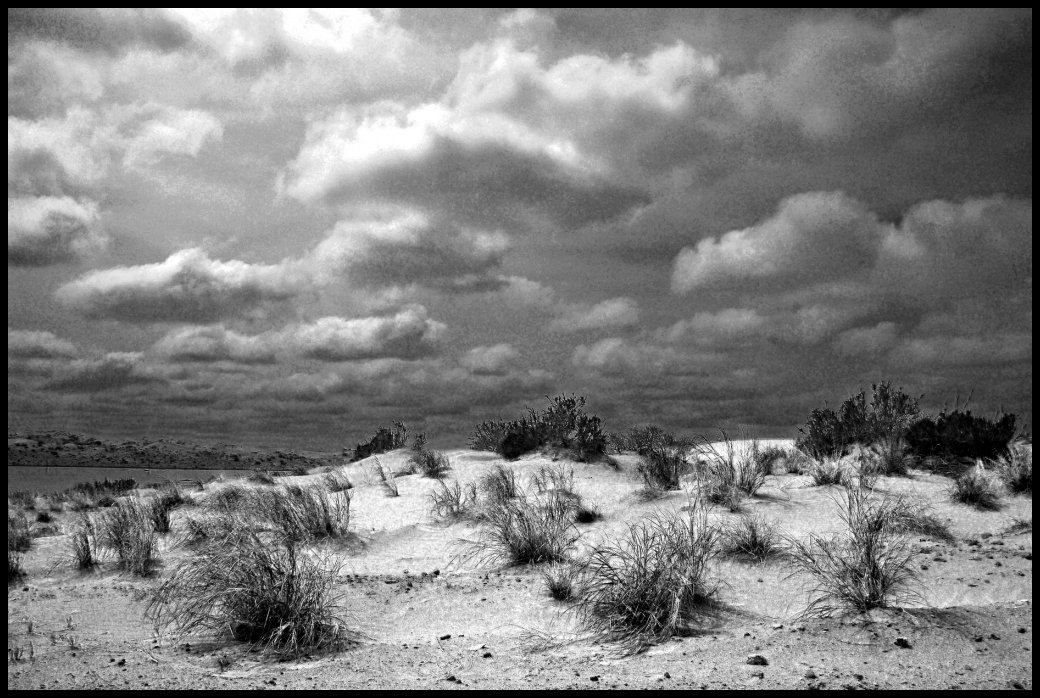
64	449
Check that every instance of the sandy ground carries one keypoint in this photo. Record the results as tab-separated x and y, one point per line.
425	620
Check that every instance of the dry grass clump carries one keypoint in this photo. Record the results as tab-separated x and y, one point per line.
23	499
15	571
550	478
84	546
769	457
662	470
908	517
337	482
975	488
648	583
586	513
1015	468
304	513
230	498
261	477
560	580
870	566
270	594
127	529
751	536
498	486
454	501
520	531
729	474
19	537
431	463
827	471
165	500
386	478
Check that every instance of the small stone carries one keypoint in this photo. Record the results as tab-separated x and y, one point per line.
667	675
994	636
777	626
593	678
486	655
757	660
445	637
903	642
810	674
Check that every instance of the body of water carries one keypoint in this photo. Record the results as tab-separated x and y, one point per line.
47	479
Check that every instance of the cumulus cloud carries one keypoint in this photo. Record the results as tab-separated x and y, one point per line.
813	236
38	344
216	343
188	287
112	372
407	247
496	360
608	314
408	334
49	230
108	30
868	341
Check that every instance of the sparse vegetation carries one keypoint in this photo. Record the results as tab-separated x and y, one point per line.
663	469
563	425
870	566
975	488
19	537
1015	468
268	593
387	479
126	528
586	513
385	439
304	513
15	571
550	478
520	531
751	536
453	501
650	581
828	471
960	435
337	482
261	477
84	548
560	580
729	474
430	463
498	486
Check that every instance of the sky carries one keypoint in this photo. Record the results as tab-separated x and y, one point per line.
286	228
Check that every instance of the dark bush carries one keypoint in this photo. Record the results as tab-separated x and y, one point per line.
563	425
886	418
517	443
961	435
385	439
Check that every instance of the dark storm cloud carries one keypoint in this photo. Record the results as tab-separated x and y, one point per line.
112	372
109	30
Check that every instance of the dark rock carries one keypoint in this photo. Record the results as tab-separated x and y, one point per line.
757	660
810	674
445	637
903	642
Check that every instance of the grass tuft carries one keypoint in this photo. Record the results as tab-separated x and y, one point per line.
828	471
521	531
84	547
1015	468
651	581
560	580
270	594
430	463
19	537
126	528
975	488
870	566
454	501
751	536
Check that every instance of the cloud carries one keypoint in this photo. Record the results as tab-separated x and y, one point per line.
407	335
108	30
727	326
496	360
868	341
608	314
812	237
932	352
152	132
217	343
187	287
49	230
112	372
404	247
37	344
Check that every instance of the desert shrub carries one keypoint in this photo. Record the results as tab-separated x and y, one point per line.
554	478
304	513
870	566
15	571
960	435
887	417
975	488
19	537
909	517
498	486
112	488
560	580
798	463
229	498
1016	468
44	517
828	471
84	547
618	442
261	477
488	435
766	459
453	501
563	425
419	442
431	463
750	536
521	531
518	441
268	593
385	439
127	529
23	499
337	482
168	498
650	581
663	469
